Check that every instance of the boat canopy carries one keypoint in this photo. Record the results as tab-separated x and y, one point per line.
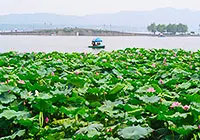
97	40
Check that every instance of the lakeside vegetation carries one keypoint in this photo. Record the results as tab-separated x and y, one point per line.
124	94
168	29
70	32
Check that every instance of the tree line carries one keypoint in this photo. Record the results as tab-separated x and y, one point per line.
170	28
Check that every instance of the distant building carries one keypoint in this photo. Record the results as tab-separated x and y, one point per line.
77	33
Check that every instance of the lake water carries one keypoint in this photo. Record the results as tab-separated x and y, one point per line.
80	43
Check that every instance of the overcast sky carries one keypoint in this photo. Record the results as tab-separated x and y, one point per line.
85	7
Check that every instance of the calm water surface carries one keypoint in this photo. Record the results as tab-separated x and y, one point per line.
80	44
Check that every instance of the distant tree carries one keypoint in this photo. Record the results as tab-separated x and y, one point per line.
161	28
181	28
172	28
152	28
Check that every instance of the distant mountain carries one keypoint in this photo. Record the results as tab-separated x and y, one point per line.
128	20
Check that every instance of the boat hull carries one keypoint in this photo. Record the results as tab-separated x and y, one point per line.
97	47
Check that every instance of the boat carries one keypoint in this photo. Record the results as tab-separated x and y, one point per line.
161	35
97	44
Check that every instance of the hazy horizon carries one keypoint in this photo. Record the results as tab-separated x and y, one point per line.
98	13
90	7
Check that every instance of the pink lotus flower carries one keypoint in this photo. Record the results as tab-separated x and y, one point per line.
154	65
161	82
175	104
186	107
77	72
151	90
109	130
174	54
97	73
29	94
46	120
81	57
120	77
104	60
7	81
190	67
199	127
52	74
21	82
165	60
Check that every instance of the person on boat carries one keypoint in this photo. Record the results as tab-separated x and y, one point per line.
93	43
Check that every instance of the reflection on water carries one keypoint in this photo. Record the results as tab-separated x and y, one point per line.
80	44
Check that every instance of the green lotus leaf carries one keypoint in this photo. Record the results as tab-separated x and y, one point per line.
91	130
116	72
64	122
193	97
116	89
55	136
143	89
13	136
79	82
135	132
195	90
184	130
8	114
152	99
173	117
5	88
6	98
184	85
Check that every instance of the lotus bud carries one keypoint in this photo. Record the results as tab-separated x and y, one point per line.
165	60
52	74
77	72
46	120
186	107
21	82
120	77
154	65
161	82
174	54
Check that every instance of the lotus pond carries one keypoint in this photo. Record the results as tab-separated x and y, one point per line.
124	94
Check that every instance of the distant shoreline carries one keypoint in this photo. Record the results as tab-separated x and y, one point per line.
133	34
83	32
